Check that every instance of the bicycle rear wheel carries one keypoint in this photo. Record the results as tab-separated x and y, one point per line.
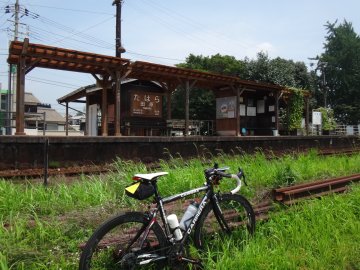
116	244
238	215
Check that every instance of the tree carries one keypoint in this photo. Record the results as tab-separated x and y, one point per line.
340	72
278	71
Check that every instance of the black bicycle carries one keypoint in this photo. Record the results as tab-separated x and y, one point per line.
137	239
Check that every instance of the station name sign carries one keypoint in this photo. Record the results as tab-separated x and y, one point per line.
147	104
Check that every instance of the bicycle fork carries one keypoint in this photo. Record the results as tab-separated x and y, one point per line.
219	215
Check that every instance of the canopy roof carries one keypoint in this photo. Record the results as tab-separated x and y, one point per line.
38	55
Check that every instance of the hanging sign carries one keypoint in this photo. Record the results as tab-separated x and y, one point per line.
147	104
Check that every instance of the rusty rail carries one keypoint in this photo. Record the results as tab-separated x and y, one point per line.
290	195
69	171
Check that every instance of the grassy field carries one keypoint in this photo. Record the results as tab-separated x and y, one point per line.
41	228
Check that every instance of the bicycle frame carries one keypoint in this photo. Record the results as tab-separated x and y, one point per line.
209	197
208	188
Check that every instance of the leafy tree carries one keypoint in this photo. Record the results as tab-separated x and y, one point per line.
278	71
222	64
340	72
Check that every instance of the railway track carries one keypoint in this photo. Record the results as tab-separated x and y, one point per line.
97	169
294	194
68	171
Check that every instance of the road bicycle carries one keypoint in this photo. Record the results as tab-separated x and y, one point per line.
136	240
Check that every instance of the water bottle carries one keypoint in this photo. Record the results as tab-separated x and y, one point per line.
188	216
174	226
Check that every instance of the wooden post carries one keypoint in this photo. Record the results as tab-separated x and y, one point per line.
168	105
86	131
237	111
104	109
238	92
67	119
20	97
117	103
187	104
277	98
188	87
20	90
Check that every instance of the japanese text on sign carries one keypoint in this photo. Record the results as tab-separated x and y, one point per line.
146	104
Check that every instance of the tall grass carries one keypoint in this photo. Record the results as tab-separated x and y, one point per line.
41	228
321	234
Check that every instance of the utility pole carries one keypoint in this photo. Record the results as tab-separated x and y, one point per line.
17	9
119	49
12	74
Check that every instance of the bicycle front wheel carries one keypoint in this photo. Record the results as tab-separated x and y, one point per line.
239	219
118	243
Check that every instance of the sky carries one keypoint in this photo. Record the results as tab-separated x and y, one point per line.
166	32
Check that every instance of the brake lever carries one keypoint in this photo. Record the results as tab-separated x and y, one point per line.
241	172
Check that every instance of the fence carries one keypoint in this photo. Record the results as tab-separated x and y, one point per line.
343	130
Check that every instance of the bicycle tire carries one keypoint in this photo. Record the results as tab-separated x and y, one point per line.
238	214
104	248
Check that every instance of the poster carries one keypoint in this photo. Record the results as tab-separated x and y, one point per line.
225	107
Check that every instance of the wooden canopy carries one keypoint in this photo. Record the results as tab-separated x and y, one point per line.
38	55
108	70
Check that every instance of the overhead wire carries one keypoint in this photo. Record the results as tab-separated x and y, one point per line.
176	29
93	41
50	83
73	10
84	30
188	20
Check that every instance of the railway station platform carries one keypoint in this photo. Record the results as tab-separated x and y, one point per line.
17	152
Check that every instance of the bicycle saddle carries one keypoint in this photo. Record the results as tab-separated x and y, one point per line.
150	176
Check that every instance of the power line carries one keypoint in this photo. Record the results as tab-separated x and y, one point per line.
189	21
51	83
73	10
177	29
152	56
82	31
